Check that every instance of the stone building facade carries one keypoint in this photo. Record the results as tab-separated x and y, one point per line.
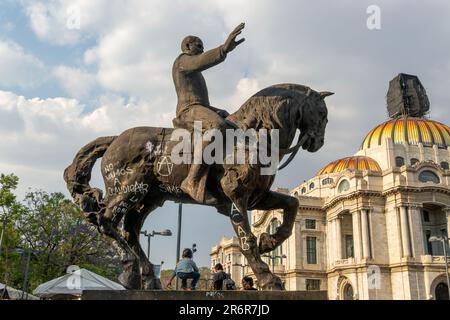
364	224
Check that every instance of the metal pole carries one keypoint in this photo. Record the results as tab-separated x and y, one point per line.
273	264
148	245
180	211
3	235
25	279
444	240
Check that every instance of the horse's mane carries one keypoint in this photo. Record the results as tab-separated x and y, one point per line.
262	109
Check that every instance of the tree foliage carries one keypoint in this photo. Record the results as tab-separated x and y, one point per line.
55	232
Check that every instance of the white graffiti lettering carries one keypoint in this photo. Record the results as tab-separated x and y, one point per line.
244	244
137	187
114	174
170	189
122	208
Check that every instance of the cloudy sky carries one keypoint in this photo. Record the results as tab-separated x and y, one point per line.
67	79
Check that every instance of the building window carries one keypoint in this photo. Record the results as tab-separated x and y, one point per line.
311	186
429	244
429	176
277	252
303	190
349	252
444	165
327	181
312	284
441	291
348	292
399	162
426	216
344	185
414	161
310	224
311	251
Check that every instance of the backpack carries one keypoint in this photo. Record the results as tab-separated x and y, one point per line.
228	283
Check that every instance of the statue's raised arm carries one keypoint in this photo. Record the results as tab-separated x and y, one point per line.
194	59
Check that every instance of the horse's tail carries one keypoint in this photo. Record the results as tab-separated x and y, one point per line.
78	175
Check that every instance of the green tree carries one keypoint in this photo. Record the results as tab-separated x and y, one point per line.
56	232
8	183
9	239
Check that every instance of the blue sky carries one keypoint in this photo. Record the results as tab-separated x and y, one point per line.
60	88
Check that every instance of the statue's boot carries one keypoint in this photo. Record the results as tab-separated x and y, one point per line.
195	184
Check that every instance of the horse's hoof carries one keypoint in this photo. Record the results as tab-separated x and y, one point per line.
273	284
266	243
151	284
130	280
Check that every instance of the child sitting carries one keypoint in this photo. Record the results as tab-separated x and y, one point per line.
186	269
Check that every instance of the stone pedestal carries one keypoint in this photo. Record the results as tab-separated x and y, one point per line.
202	295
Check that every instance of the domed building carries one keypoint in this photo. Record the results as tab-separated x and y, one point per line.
365	222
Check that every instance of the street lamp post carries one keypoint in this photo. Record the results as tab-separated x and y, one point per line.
165	232
180	213
444	240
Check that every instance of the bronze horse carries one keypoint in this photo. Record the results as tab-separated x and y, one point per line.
140	177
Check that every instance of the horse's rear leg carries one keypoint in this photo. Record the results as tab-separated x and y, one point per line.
248	244
130	276
133	223
116	208
271	201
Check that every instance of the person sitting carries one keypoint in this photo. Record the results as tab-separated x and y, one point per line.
247	283
219	276
186	269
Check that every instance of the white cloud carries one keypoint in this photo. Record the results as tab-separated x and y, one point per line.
47	131
245	88
56	22
76	82
19	68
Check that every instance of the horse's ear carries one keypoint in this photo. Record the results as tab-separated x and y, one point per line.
324	94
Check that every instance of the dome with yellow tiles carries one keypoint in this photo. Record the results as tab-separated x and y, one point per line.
352	163
409	130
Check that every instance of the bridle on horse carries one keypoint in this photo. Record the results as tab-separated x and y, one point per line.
293	150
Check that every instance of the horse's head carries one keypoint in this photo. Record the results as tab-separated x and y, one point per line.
313	120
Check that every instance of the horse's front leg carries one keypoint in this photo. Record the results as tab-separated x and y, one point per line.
249	246
271	201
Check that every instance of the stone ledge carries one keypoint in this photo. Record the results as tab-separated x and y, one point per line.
201	295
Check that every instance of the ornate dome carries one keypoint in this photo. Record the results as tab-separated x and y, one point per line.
410	130
355	163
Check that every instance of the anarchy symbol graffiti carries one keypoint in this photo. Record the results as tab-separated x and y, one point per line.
164	166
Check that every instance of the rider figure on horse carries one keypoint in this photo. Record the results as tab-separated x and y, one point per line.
193	101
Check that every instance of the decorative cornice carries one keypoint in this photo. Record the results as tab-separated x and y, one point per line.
397	189
352	195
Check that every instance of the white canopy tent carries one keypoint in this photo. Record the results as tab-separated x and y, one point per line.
73	283
14	294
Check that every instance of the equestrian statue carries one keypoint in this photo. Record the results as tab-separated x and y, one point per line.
140	173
